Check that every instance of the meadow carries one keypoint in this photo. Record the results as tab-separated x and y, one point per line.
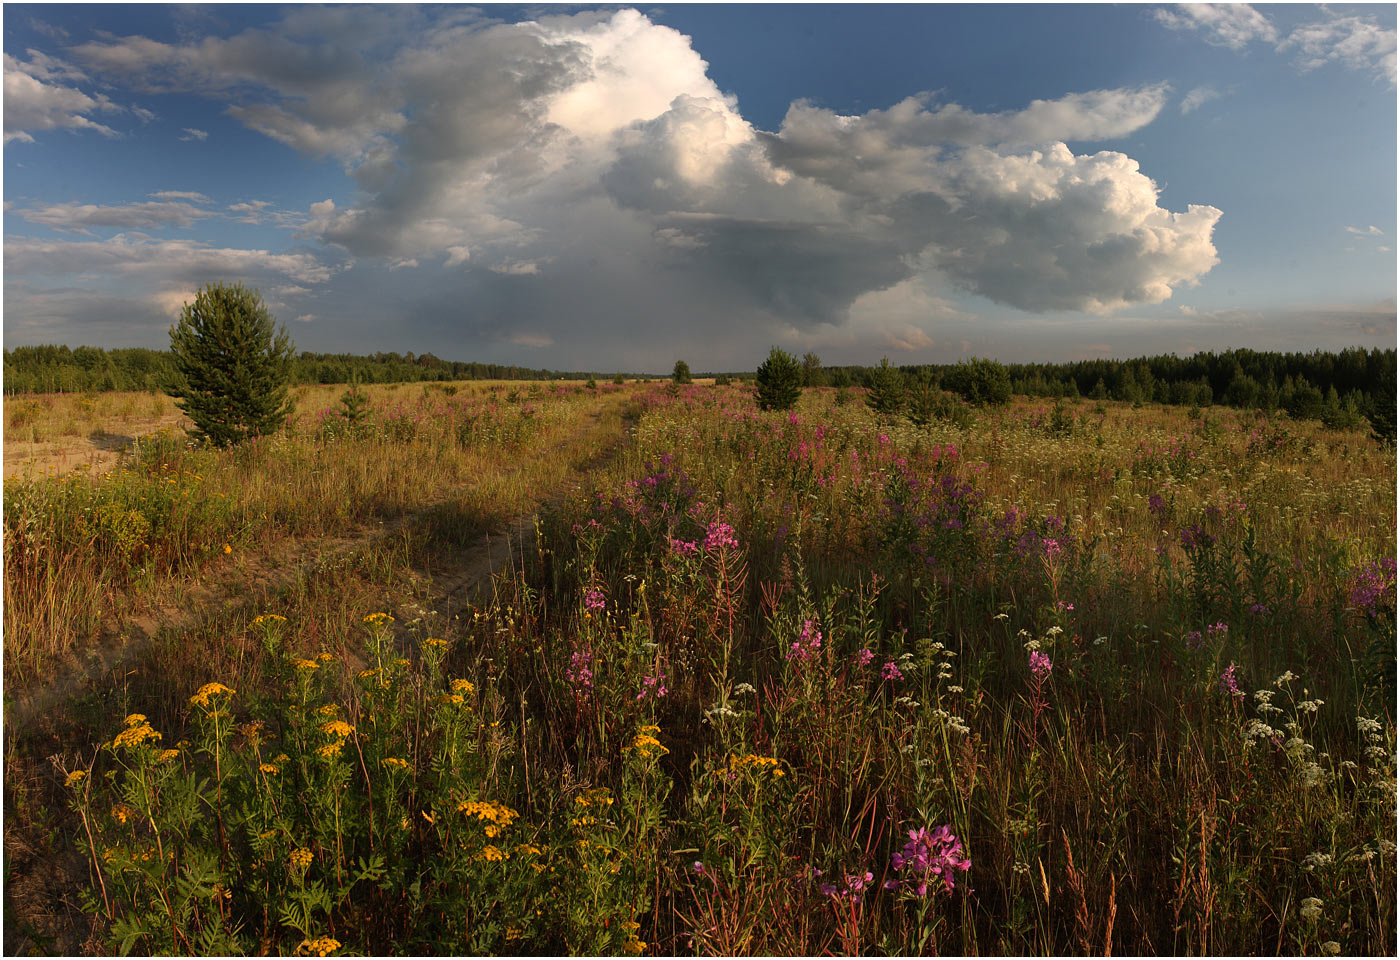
1064	679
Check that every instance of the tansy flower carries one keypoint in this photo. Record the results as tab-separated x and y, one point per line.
435	642
167	755
330	750
134	720
337	728
122	813
270	768
396	762
323	947
462	686
325	657
75	777
378	619
135	736
202	695
228	549
329	710
492	853
269	618
300	664
300	858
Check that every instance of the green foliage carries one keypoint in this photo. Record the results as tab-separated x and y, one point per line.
722	380
680	374
887	389
812	373
619	379
354	403
231	365
980	382
590	384
779	381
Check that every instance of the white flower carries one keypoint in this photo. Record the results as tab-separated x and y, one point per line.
1311	908
1283	678
1317	859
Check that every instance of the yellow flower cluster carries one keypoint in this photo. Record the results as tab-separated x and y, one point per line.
329	710
134	720
396	762
462	686
378	619
299	664
598	797
270	768
122	813
324	657
435	642
323	947
648	746
497	817
202	695
75	777
269	618
755	764
489	852
337	728
633	946
330	750
300	858
367	673
167	755
136	734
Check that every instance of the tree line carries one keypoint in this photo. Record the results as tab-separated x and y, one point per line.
59	369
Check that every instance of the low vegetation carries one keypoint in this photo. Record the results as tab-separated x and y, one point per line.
1023	678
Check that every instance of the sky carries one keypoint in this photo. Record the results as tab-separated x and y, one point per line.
614	188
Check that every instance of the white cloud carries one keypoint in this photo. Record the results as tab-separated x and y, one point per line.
194	196
144	115
307	318
169	262
517	268
192	134
80	217
1358	43
1371	231
456	256
32	104
1196	97
1233	25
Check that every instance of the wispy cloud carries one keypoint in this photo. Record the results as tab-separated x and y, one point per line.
1371	231
192	134
1355	42
1195	98
1233	25
34	103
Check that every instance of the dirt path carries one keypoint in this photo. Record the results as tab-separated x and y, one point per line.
470	570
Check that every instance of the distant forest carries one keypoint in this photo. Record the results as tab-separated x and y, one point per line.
1337	388
50	369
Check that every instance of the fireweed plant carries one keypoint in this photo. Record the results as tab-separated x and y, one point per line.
813	681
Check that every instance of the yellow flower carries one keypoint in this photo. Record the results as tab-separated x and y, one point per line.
228	549
300	858
648	746
378	619
269	768
497	817
329	710
435	642
366	674
462	686
134	720
202	695
451	698
323	947
281	758
325	657
330	750
337	728
135	736
491	853
167	755
396	762
75	777
299	664
122	813
269	618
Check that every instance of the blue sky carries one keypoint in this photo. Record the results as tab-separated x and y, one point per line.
617	187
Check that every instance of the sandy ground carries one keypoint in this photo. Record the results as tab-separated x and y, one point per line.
98	452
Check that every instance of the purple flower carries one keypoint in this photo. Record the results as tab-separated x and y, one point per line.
1040	665
653	685
808	642
720	535
1229	685
1217	629
865	657
1052	548
854	888
929	857
891	671
685	547
593	600
580	672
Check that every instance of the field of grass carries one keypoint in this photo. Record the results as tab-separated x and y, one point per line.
1071	679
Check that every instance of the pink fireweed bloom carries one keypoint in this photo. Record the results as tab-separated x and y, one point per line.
928	858
686	548
1040	665
854	888
1052	548
720	535
891	671
865	657
654	686
580	671
1229	683
808	642
593	600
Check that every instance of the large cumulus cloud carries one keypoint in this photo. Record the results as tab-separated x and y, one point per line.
584	171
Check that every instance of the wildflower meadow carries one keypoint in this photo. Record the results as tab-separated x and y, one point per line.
1083	679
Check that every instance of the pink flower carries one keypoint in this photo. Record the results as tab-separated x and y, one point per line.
808	642
865	656
1040	665
720	535
593	600
891	671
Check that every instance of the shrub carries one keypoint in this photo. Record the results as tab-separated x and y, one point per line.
681	373
779	381
231	366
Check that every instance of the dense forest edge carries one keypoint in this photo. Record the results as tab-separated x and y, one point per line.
1339	389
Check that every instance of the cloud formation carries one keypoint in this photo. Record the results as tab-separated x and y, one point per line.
1233	25
34	101
584	168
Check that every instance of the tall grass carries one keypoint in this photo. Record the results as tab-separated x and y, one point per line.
1063	680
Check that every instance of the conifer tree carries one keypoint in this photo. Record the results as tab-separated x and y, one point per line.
886	388
681	373
779	380
231	365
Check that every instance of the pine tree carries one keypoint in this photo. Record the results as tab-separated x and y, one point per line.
779	380
681	373
886	388
231	367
